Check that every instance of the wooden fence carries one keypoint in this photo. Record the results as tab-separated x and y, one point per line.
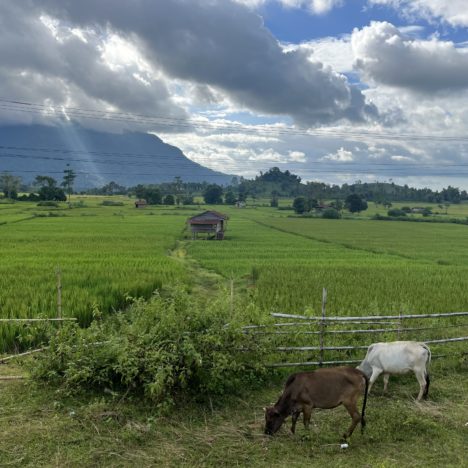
322	323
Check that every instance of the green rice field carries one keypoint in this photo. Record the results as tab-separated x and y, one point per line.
106	253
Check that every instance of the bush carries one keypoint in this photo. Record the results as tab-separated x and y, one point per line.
169	200
48	203
112	203
300	205
166	348
331	213
395	212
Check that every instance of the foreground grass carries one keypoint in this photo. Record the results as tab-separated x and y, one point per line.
104	431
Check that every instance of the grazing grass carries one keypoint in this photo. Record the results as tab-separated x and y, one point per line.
104	431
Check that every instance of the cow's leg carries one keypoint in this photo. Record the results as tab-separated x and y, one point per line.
353	411
375	374
420	375
385	381
306	412
294	415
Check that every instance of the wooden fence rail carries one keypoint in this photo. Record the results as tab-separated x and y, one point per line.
348	348
322	322
370	317
64	319
337	332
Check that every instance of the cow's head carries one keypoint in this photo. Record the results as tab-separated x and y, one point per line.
366	368
273	420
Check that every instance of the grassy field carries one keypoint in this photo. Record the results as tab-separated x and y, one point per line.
46	428
282	264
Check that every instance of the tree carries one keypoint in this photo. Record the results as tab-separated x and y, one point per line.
10	184
113	188
68	179
300	205
230	198
169	200
45	181
274	199
49	190
337	204
213	195
355	204
151	194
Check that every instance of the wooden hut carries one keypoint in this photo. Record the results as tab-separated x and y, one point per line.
141	203
210	223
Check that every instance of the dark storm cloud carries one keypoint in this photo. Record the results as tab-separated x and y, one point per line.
224	45
63	68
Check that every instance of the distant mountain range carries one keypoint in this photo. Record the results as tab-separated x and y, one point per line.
129	158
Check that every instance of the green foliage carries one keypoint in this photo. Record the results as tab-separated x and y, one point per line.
331	213
230	198
69	177
112	203
213	195
300	205
168	347
151	194
169	200
395	212
9	185
52	193
48	203
355	204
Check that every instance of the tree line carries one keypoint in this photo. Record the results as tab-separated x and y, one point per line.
272	184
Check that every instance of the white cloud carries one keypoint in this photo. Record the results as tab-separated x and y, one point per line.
340	155
453	12
335	52
317	7
384	55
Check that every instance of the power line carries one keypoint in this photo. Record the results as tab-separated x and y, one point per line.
145	156
174	122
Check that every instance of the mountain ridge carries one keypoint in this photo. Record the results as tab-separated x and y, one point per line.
97	157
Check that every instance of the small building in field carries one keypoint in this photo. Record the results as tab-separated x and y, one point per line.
210	223
141	203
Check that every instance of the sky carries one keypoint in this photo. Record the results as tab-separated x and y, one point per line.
332	90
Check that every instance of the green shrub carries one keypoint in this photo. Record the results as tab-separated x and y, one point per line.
163	349
331	213
395	212
48	203
112	203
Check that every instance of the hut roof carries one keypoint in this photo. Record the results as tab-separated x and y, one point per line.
207	217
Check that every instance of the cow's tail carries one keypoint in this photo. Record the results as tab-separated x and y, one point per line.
363	411
426	375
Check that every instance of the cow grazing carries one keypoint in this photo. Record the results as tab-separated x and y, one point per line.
398	357
322	388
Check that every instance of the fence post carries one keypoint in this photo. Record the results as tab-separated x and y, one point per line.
322	325
232	295
59	293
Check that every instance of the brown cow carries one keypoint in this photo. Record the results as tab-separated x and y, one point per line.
322	388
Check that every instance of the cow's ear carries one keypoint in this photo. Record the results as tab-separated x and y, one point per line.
265	409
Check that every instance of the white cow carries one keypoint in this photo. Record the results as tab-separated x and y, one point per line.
398	357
